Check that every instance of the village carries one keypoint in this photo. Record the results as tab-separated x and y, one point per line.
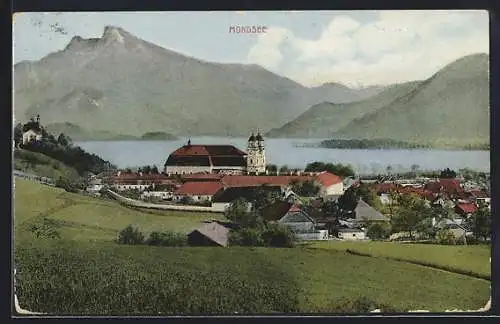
210	178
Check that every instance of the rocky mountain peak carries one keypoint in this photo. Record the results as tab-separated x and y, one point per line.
114	34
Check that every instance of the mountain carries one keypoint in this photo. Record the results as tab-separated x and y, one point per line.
121	84
339	93
451	108
324	119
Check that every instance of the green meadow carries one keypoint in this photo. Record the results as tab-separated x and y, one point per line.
84	272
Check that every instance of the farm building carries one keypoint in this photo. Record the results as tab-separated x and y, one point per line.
365	212
296	219
198	191
351	234
209	234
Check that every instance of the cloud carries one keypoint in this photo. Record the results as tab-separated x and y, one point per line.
399	46
267	50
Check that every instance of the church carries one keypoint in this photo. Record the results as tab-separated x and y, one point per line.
218	159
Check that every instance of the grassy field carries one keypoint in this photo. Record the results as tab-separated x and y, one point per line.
96	219
472	259
85	272
42	165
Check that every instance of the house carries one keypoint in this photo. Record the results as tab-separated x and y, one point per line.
365	212
459	231
448	187
296	219
225	197
351	234
32	131
329	183
138	181
466	209
198	191
480	197
209	234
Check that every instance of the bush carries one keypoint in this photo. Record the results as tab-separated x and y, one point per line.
131	236
378	230
278	235
47	228
167	239
67	185
275	235
246	237
446	237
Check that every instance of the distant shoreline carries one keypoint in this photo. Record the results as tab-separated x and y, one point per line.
394	144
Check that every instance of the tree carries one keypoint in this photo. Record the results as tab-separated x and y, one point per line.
389	169
238	213
445	236
414	169
378	230
154	170
18	134
130	235
480	223
338	169
410	213
284	169
448	174
348	201
63	140
272	168
307	188
263	198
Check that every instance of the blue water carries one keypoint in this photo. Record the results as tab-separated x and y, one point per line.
284	152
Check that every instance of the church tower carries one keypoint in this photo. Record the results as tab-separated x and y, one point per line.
256	158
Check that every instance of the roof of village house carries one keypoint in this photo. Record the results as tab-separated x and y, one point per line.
367	212
214	231
447	185
248	193
327	179
468	208
324	178
277	210
199	188
202	177
476	193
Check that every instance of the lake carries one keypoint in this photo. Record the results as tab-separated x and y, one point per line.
284	152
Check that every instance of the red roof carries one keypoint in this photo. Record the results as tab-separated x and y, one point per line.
385	187
447	185
327	179
202	176
208	188
295	208
208	150
249	181
478	193
324	178
469	208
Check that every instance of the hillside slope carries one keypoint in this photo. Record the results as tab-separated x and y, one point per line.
124	85
449	109
322	120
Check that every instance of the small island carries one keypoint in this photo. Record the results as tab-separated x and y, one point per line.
395	144
158	136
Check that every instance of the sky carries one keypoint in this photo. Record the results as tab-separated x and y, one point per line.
355	48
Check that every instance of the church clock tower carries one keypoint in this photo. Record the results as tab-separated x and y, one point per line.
256	158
